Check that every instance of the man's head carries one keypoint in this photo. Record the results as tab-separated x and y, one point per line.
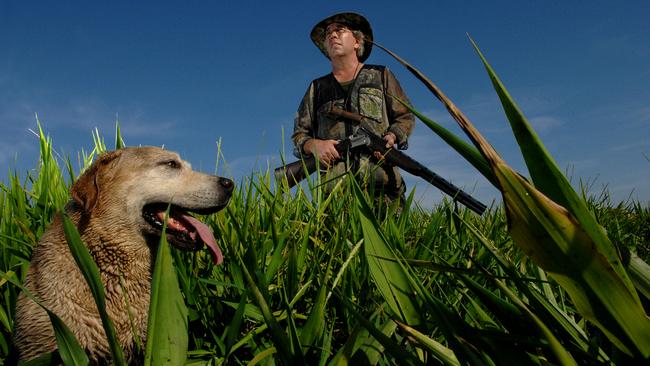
340	40
325	33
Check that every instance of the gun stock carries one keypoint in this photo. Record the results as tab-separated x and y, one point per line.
299	170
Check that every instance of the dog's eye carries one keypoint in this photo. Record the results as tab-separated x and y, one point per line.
171	164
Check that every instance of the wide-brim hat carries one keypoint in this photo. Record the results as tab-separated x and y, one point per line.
353	21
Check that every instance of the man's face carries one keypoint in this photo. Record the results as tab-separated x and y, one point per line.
339	40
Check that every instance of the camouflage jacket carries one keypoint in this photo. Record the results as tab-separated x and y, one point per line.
370	96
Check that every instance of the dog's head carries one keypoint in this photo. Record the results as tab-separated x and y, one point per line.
136	186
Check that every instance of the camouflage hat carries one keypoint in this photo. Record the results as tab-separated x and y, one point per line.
353	21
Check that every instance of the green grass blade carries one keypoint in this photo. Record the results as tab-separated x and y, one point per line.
563	356
391	347
91	273
566	241
119	142
550	236
622	316
546	309
467	151
640	274
371	349
167	339
390	277
279	337
69	349
235	324
445	355
296	347
547	176
314	328
262	356
456	113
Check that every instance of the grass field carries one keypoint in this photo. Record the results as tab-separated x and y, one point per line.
322	279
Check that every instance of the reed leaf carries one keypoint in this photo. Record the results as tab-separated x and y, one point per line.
391	347
68	350
552	238
391	278
314	328
467	151
568	244
443	354
563	237
562	354
91	273
548	310
548	178
235	325
640	274
260	357
119	142
167	338
279	337
371	349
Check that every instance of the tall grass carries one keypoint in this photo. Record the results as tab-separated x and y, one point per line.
297	285
310	278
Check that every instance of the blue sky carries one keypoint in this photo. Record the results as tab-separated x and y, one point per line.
188	74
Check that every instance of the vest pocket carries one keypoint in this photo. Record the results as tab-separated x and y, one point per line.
371	103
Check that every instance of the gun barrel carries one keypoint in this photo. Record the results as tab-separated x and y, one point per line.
457	194
296	171
410	165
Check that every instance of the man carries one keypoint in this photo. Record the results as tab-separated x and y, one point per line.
346	40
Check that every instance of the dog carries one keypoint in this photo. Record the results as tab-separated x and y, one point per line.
118	206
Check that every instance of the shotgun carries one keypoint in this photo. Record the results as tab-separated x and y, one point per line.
365	139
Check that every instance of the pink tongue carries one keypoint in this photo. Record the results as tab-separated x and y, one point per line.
207	237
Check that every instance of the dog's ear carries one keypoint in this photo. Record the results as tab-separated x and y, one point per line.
86	189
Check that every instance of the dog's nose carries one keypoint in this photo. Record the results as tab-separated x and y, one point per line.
226	183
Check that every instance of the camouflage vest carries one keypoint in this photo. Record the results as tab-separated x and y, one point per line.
365	96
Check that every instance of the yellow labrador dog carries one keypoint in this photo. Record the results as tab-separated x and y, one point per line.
118	206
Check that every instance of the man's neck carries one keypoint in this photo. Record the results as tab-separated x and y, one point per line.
345	68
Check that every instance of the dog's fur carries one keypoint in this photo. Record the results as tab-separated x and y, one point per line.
108	208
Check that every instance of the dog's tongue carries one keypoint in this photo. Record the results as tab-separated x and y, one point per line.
207	237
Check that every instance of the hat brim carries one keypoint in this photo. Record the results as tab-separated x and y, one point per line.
354	21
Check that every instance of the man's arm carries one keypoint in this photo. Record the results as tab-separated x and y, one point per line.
401	120
303	123
304	136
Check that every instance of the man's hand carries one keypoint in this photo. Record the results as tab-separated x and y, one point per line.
323	150
390	139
